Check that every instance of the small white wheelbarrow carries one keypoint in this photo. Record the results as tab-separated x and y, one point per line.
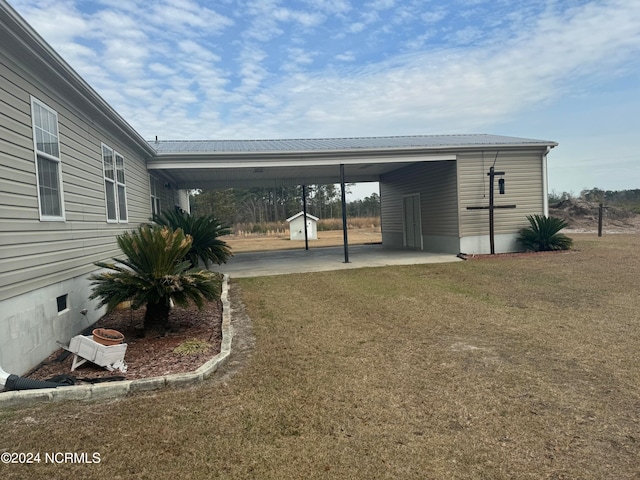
85	349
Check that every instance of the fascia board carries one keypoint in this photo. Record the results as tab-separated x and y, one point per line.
212	162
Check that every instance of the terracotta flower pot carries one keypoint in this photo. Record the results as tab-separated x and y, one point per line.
106	336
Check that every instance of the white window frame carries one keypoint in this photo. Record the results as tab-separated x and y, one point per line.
121	189
52	131
117	185
156	203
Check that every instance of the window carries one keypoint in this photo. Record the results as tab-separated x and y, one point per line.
115	189
154	187
47	151
62	302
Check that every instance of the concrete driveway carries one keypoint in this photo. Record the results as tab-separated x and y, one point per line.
259	264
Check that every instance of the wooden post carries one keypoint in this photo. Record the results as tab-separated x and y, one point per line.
600	209
492	242
492	175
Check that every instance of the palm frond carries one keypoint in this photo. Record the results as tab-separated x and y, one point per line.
154	272
543	234
204	232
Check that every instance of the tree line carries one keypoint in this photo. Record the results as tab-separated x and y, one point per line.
260	205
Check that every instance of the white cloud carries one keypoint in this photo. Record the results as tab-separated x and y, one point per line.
183	14
306	19
331	7
356	27
347	56
237	88
381	4
466	90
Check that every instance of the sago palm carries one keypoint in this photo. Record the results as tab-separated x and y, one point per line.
204	232
153	274
543	234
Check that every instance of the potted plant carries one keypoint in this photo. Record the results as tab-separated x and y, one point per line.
107	336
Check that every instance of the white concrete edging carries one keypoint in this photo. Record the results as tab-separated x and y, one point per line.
102	391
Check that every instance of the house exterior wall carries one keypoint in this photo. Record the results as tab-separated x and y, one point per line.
43	260
524	187
436	184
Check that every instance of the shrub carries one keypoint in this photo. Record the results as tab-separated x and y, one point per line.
154	274
543	234
204	232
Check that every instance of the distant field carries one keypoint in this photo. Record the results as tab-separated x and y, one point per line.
262	242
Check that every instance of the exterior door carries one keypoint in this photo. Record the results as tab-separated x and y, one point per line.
411	221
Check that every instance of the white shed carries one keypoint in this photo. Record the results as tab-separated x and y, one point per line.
296	225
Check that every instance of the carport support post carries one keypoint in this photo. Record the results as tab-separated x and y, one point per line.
304	216
344	215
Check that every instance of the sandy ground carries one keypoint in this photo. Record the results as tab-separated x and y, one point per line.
583	218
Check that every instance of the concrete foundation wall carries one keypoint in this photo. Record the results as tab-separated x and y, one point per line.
480	244
30	324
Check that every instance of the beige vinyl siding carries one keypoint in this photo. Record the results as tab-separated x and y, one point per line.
34	254
436	184
523	188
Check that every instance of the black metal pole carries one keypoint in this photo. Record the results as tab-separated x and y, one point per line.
344	215
304	216
491	226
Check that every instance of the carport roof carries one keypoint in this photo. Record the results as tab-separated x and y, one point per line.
285	162
341	144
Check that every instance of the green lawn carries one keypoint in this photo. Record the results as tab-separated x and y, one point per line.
504	368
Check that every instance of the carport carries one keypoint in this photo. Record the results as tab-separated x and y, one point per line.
281	163
438	180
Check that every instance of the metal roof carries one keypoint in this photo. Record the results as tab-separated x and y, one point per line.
248	163
195	147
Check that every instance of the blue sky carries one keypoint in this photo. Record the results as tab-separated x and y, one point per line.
561	70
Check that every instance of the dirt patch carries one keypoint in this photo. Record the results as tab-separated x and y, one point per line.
152	355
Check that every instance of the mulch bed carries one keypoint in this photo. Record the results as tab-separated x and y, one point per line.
149	356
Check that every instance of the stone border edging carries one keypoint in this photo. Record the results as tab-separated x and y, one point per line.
101	391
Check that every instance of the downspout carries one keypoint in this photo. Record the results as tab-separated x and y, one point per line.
545	184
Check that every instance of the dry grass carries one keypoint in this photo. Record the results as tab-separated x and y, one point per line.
281	241
324	224
510	368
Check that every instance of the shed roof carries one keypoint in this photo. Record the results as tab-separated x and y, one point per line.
299	214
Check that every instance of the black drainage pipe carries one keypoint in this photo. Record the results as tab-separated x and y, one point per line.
14	382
